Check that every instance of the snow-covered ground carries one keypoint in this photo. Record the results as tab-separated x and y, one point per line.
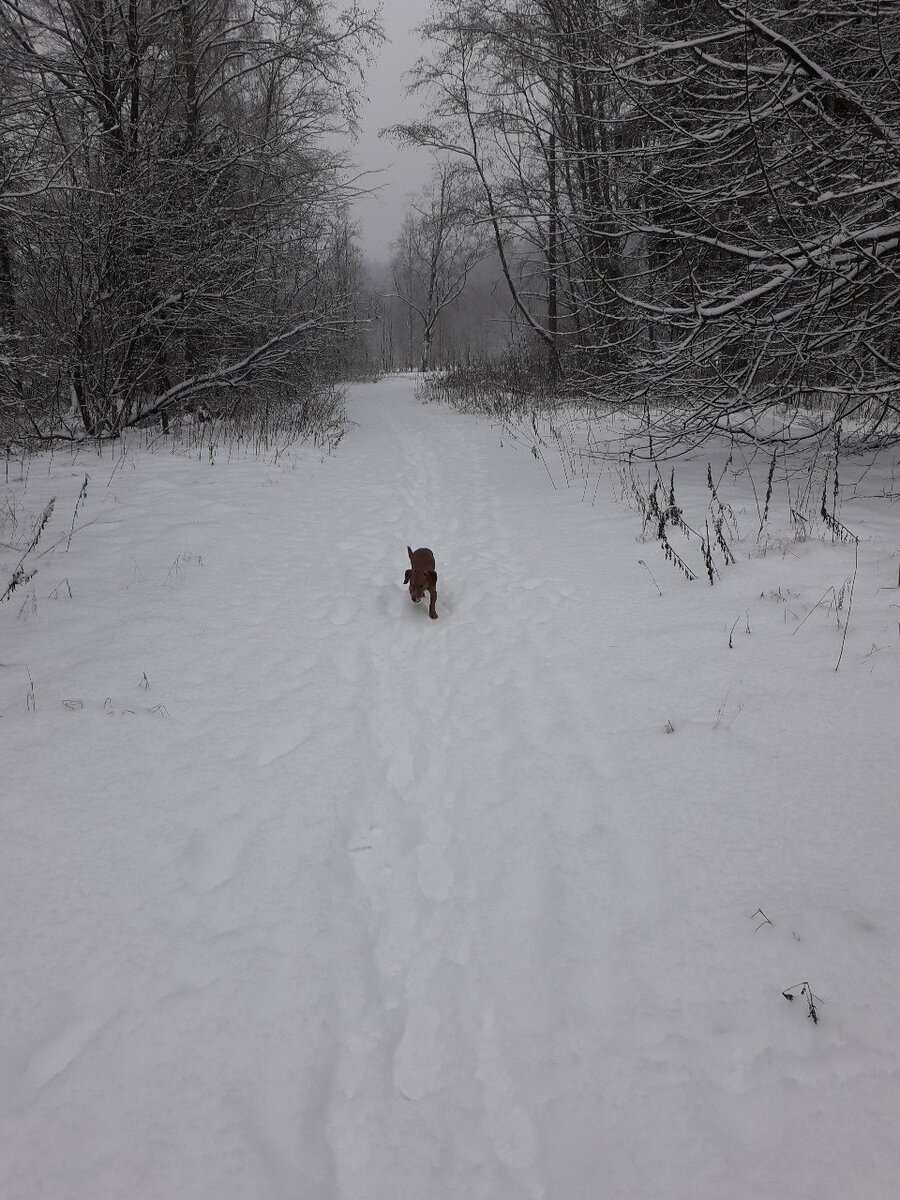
305	896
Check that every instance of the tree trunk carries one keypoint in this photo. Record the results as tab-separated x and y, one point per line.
7	292
552	243
188	59
426	348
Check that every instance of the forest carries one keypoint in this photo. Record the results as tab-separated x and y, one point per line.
685	206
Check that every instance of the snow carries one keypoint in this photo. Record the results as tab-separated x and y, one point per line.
348	904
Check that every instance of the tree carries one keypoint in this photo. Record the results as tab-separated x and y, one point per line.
167	199
439	245
767	193
513	95
701	198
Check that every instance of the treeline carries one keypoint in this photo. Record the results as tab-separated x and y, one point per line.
692	203
173	223
477	325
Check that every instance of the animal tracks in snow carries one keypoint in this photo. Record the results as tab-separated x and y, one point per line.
400	909
61	1051
286	740
417	1063
435	877
511	1129
215	855
342	611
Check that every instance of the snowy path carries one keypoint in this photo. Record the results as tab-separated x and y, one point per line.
381	908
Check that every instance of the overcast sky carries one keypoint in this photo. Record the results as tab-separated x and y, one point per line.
402	170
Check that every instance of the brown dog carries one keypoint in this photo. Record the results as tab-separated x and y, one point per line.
422	577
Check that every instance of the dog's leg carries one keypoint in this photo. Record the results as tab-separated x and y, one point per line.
432	610
406	576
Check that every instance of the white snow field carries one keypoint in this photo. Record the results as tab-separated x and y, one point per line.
348	904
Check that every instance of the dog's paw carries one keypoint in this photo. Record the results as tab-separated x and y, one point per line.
433	616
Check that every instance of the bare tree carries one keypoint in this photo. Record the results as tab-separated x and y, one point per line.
513	96
439	245
706	197
767	187
167	199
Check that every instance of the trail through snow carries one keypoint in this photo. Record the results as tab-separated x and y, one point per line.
354	905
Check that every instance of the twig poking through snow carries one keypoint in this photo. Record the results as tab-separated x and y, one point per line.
652	576
19	576
765	920
807	994
849	602
82	495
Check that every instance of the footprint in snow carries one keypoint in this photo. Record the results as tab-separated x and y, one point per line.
348	661
364	853
508	1125
342	611
61	1051
417	1060
215	856
434	875
281	742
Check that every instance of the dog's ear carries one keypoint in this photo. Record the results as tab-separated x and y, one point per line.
431	576
406	576
409	552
